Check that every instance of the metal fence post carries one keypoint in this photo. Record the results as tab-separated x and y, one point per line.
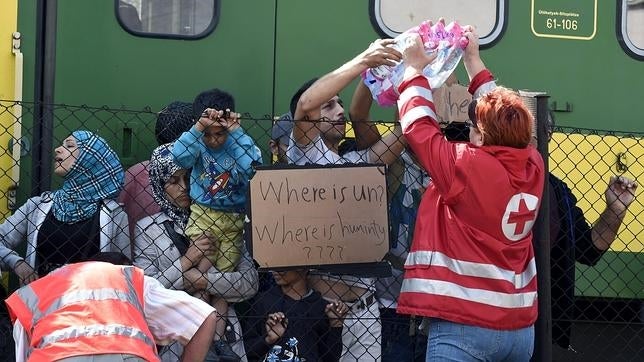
543	326
44	96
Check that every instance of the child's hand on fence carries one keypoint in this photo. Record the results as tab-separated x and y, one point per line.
336	312
213	117
229	120
276	324
208	118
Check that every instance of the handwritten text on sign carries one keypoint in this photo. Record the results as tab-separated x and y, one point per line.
319	216
452	102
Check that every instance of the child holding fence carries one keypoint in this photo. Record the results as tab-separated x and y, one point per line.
221	156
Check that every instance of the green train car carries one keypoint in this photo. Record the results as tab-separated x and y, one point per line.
588	55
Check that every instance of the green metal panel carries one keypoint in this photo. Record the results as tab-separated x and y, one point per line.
617	274
595	76
315	37
99	63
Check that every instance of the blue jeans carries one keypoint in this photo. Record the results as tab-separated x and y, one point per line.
397	344
450	341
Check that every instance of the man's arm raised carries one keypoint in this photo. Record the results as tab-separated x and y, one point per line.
308	106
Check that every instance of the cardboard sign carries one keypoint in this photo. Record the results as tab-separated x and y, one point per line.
451	102
318	216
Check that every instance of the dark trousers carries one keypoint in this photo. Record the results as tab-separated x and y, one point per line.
398	344
6	331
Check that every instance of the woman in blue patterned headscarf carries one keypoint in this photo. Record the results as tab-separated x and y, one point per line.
95	175
74	222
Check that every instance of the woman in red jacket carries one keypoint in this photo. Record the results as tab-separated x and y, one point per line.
471	268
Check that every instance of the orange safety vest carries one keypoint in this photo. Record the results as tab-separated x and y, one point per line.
84	309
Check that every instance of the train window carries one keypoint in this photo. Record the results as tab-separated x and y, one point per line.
177	19
392	17
630	27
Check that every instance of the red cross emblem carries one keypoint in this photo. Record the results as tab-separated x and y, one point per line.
520	215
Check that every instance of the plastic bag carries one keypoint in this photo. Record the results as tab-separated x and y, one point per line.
447	40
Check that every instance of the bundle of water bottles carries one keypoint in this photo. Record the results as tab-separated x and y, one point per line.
447	41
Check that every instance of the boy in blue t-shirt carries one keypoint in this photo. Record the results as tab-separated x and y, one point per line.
222	157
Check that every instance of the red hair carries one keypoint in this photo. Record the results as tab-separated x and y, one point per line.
503	119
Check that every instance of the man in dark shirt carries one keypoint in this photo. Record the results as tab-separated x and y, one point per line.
294	310
573	239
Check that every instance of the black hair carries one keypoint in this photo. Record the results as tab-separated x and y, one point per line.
457	132
298	94
213	98
172	121
346	146
471	111
114	257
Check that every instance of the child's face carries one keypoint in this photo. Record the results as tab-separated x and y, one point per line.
215	136
289	277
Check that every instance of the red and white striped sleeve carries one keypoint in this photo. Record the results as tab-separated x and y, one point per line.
482	83
415	101
422	132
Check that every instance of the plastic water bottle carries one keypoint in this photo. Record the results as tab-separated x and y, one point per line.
448	41
450	46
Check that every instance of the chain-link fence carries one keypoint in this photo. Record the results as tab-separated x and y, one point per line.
597	310
601	316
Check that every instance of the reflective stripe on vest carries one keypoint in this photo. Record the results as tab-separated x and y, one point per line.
467	268
29	297
32	301
94	330
129	279
449	289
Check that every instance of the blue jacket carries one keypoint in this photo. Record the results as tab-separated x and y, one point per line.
220	177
